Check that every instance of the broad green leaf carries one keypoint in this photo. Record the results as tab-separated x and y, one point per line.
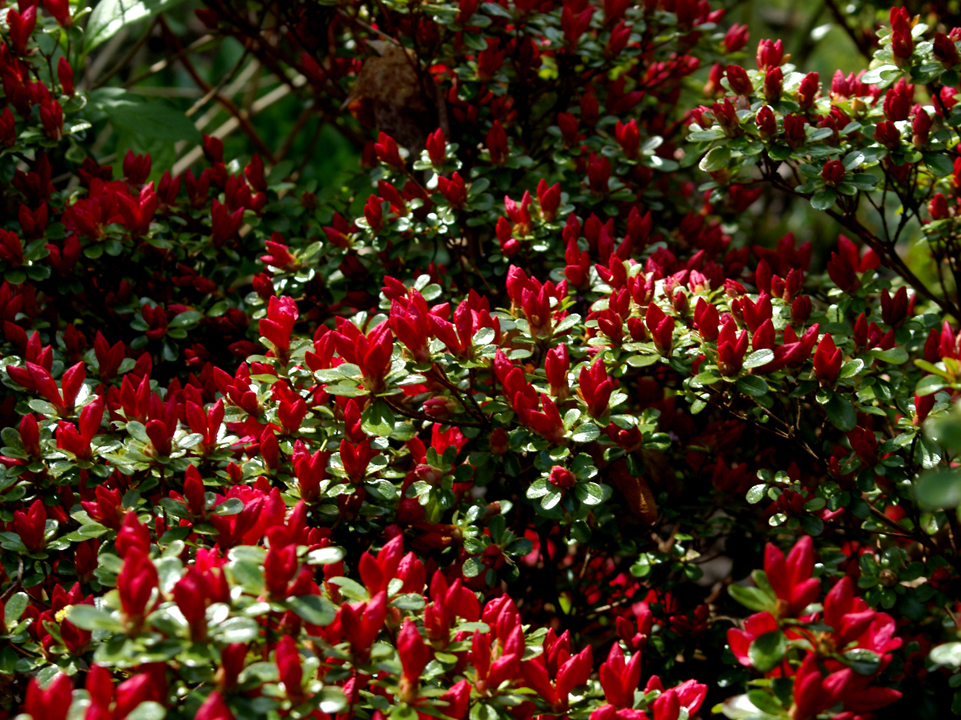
939	489
150	119
315	609
947	654
87	617
895	355
752	385
588	432
716	159
945	429
110	16
767	650
929	385
863	661
823	199
758	358
589	493
841	413
752	598
238	630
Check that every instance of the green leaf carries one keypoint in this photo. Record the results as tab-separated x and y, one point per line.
187	317
588	432
110	16
939	164
150	119
716	159
589	493
87	617
946	429
148	710
758	358
841	413
756	493
350	588
325	556
315	609
895	355
15	607
378	419
852	368
929	385
767	650
752	598
939	489
752	385
863	661
947	654
765	701
823	199
238	630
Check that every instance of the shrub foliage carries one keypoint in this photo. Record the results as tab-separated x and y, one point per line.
518	405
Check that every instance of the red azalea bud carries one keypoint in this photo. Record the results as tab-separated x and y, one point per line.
773	84
739	81
766	123
8	128
65	75
388	152
921	127
589	109
736	38
887	134
561	477
794	131
808	91
769	54
568	126
833	173
898	101
497	143
437	148
726	116
598	173
800	309
945	50
922	406
827	361
938	207
628	137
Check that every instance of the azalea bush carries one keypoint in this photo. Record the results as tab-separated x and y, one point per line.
518	421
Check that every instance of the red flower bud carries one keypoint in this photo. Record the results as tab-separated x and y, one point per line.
808	91
736	38
833	173
437	148
938	207
945	50
887	134
773	84
65	75
921	128
770	53
388	152
628	137
568	126
739	81
794	131
827	361
561	478
766	123
497	143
